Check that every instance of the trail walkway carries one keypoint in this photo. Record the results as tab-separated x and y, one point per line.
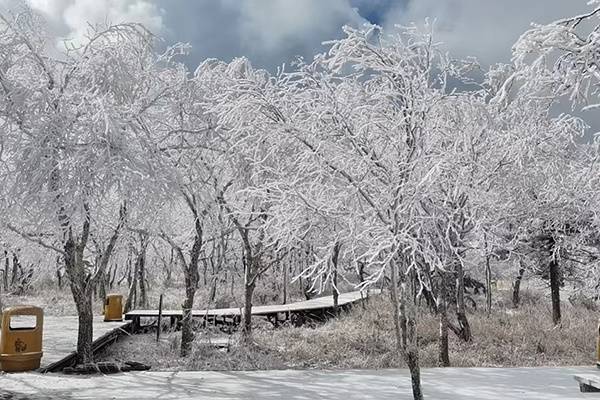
316	307
438	384
60	338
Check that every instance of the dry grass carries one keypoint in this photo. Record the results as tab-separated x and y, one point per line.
54	302
57	302
364	339
164	354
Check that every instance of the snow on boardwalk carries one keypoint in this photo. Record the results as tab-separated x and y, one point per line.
319	303
60	337
438	384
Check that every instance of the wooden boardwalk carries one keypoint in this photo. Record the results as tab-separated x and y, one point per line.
589	382
317	308
59	340
60	333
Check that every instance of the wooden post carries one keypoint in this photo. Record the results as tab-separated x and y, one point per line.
488	278
160	302
285	282
135	323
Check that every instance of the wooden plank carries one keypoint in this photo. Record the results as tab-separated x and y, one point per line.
588	382
320	303
60	336
98	344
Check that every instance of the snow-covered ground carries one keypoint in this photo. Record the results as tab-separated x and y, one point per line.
438	384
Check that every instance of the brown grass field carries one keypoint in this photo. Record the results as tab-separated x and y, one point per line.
363	338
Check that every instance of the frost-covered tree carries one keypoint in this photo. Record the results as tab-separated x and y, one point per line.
193	154
545	203
561	58
243	101
362	115
553	191
73	140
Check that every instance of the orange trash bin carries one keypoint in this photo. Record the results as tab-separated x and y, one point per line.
113	308
21	346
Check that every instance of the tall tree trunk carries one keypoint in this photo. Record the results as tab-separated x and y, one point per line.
249	285
169	270
142	278
461	313
130	276
555	290
102	279
395	297
132	293
82	295
6	269
187	332
85	332
58	274
405	326
516	289
361	272
443	352
247	326
15	270
408	322
334	262
79	279
204	272
488	281
412	360
191	276
113	278
285	283
442	309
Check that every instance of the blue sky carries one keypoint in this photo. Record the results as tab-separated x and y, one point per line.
375	10
272	32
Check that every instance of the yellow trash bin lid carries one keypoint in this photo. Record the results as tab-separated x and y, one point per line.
21	343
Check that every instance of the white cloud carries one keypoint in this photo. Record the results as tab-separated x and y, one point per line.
268	32
273	24
271	32
70	19
486	29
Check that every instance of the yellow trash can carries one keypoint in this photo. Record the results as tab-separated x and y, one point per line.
21	346
113	308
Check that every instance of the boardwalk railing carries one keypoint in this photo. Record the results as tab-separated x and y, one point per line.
317	308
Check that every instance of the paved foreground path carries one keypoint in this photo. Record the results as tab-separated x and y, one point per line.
60	336
439	384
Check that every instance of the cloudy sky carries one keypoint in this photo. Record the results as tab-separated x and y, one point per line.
271	32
